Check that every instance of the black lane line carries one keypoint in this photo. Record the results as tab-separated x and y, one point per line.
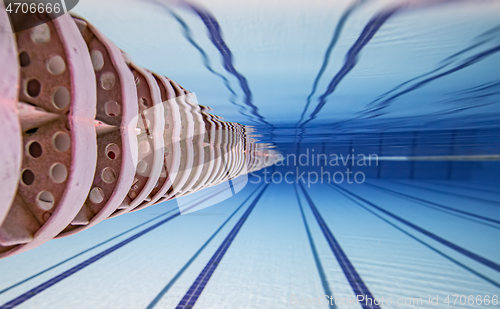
472	271
201	281
352	56
455	185
317	259
83	252
479	41
377	110
357	284
215	31
94	247
167	287
491	185
188	35
336	35
464	64
434	205
47	284
448	193
472	255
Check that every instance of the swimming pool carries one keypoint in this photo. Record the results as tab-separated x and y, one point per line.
387	119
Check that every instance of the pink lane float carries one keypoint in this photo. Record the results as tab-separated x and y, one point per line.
87	135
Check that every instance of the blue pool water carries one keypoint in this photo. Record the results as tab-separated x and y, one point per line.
387	117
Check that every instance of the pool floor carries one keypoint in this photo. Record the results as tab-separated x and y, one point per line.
277	246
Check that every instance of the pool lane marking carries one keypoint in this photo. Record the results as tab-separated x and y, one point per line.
96	246
471	188
496	284
447	193
424	201
317	259
167	287
201	281
339	27
49	283
83	252
358	286
449	244
216	37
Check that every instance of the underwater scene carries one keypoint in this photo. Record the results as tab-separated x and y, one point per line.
380	124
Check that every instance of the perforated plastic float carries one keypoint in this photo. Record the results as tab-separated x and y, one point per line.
87	135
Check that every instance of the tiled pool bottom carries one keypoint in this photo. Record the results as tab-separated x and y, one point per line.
287	246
